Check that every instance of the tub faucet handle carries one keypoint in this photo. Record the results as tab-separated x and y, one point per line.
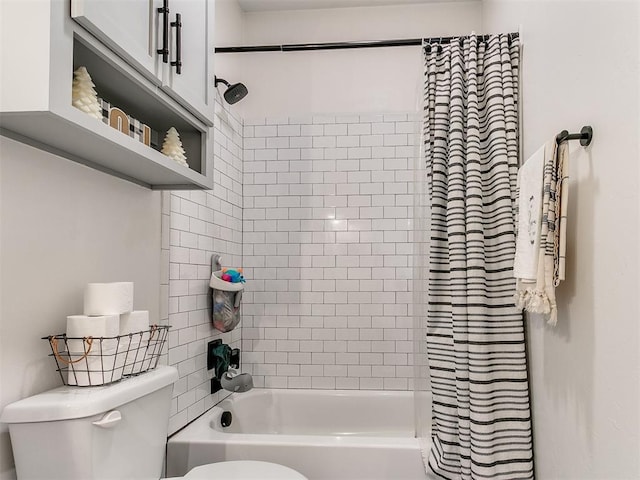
237	382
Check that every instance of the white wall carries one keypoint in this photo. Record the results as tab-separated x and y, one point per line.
338	81
328	245
196	224
337	327
229	30
63	225
580	66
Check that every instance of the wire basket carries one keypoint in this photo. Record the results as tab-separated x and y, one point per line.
93	361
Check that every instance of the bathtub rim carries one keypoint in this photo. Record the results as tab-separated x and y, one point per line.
199	430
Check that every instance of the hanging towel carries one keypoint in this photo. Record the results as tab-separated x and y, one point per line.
529	188
561	209
538	295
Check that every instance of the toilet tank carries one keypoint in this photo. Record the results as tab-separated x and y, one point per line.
112	432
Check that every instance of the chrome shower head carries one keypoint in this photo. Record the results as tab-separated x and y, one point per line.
234	93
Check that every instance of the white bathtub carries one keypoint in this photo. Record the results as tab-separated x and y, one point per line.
323	434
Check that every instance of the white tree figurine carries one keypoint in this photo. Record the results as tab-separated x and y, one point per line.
83	95
172	147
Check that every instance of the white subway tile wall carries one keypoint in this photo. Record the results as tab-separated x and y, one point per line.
195	225
327	251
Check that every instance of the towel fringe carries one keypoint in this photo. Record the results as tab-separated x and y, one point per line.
534	301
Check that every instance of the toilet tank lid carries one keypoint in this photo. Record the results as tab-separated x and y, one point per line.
65	403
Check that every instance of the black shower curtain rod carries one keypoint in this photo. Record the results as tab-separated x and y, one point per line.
298	47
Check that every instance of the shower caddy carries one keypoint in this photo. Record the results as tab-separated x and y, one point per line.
225	298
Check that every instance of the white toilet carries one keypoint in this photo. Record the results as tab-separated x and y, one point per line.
115	432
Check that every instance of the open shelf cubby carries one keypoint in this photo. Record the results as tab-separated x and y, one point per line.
115	87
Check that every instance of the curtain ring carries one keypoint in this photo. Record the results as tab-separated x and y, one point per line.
427	45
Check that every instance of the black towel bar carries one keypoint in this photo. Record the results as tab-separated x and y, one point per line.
585	136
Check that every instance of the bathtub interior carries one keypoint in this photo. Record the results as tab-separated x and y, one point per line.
340	413
338	435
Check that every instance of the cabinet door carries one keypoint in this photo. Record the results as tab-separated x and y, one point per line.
131	28
192	86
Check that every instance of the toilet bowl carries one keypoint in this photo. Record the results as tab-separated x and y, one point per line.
116	431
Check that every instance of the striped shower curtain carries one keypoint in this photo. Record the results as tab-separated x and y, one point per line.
481	422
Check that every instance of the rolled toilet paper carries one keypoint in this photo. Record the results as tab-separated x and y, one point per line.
100	366
80	326
133	322
112	298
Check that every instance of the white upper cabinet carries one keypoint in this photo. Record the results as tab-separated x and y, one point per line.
127	27
168	41
190	39
41	46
